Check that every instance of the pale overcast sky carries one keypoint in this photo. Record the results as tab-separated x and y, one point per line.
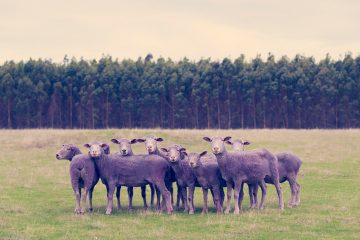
195	29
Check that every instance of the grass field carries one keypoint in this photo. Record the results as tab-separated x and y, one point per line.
37	202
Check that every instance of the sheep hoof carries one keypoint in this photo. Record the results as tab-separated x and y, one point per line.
191	212
227	211
108	212
77	211
236	211
91	209
204	211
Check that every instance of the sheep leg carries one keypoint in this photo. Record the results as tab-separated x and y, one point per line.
130	196
217	198
165	195
255	191
222	196
184	198
152	195
110	199
205	195
293	188
241	196
279	193
262	185
191	199
297	201
83	200
169	187
143	195
179	197
237	190
157	198
228	195
212	194
118	190
77	191
251	194
90	199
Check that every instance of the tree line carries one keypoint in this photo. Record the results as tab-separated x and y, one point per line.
150	93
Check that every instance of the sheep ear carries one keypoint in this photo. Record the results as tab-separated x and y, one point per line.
159	139
246	143
182	149
133	141
207	139
140	140
114	140
203	153
229	142
104	145
164	149
227	138
87	145
185	153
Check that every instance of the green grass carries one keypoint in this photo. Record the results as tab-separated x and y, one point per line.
37	202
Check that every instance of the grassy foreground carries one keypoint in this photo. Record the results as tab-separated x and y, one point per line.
37	202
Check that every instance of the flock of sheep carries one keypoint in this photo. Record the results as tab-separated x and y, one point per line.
160	168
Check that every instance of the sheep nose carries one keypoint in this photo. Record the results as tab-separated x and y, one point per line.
216	149
57	155
124	151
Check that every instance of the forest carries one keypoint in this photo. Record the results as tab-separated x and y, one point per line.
161	93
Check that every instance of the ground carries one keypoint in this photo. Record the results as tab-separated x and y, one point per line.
37	202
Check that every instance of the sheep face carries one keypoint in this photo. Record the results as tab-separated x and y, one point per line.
96	149
194	159
237	144
174	154
124	145
150	143
217	144
66	152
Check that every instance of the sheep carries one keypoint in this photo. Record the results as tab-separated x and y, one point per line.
82	174
207	173
178	159
126	150
238	145
152	148
239	167
116	170
288	167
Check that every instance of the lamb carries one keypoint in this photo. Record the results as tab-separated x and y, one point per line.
82	174
116	170
178	159
152	148
208	175
288	167
126	150
250	166
238	145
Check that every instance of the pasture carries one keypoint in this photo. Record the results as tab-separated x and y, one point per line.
37	202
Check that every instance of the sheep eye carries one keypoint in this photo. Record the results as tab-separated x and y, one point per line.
68	149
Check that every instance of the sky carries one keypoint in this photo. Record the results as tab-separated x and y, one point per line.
177	28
